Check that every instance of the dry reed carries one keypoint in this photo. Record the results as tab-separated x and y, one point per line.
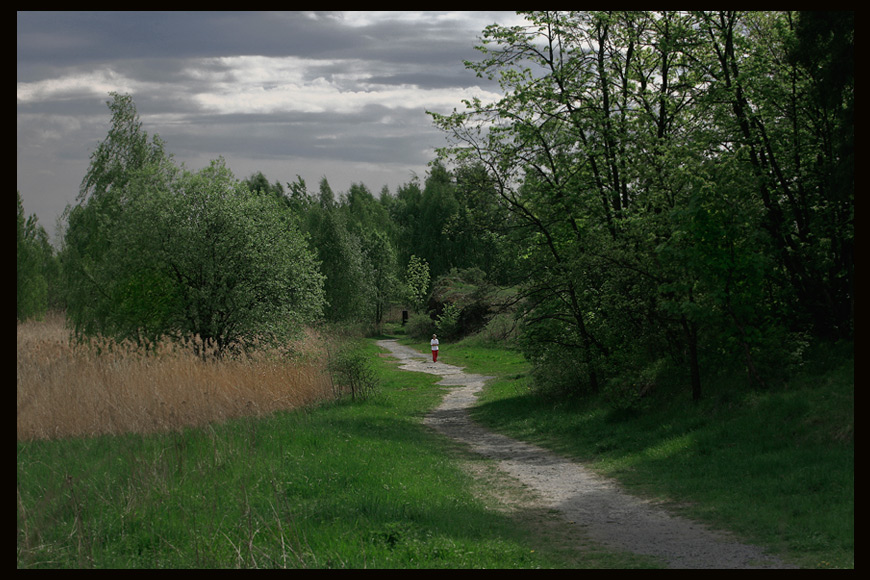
68	390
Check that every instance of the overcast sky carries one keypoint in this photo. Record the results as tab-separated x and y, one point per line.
341	95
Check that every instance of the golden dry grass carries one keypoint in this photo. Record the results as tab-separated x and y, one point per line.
69	390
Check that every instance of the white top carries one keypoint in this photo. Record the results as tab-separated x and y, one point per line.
434	343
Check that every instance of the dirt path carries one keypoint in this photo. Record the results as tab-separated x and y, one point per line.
607	514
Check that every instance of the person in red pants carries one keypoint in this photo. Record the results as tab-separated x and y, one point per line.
434	343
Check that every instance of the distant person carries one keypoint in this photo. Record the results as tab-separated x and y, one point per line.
434	343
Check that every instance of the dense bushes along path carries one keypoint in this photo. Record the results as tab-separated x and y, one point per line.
607	514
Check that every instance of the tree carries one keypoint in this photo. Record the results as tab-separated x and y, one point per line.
347	284
368	221
792	115
101	207
417	282
156	251
258	183
236	265
437	204
34	258
651	163
382	266
326	197
405	214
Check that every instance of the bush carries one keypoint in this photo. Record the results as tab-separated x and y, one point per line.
420	326
558	372
351	371
464	301
500	331
448	323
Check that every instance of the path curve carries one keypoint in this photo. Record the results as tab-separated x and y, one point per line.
609	515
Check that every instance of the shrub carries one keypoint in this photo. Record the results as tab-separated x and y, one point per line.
351	372
448	322
420	326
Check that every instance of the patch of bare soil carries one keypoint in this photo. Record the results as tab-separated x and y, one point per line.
586	506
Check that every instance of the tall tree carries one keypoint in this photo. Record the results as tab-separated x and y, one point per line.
778	116
347	283
221	263
258	183
125	154
34	257
152	250
644	158
383	272
405	214
417	280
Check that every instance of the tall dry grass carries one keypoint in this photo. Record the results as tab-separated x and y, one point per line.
67	389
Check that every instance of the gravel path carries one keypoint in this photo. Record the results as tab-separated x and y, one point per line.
607	514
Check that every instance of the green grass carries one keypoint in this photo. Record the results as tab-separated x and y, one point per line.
343	485
776	467
365	484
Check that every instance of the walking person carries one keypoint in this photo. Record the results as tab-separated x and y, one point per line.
434	343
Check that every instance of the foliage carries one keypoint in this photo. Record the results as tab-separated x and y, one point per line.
238	269
35	266
447	323
383	271
463	302
671	193
257	183
347	286
420	326
417	282
353	240
657	196
352	372
152	250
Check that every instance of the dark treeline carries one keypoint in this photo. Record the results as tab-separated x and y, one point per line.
658	198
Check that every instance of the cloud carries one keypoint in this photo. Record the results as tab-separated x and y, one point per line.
257	85
292	92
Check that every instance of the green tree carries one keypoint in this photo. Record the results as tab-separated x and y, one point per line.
437	205
235	264
152	251
258	183
792	115
326	197
644	160
405	215
101	207
824	50
417	282
34	263
208	259
299	199
368	220
383	270
347	282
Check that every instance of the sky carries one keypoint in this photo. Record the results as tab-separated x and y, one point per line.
340	95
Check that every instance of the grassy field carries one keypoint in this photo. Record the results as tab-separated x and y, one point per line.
338	484
270	478
776	467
